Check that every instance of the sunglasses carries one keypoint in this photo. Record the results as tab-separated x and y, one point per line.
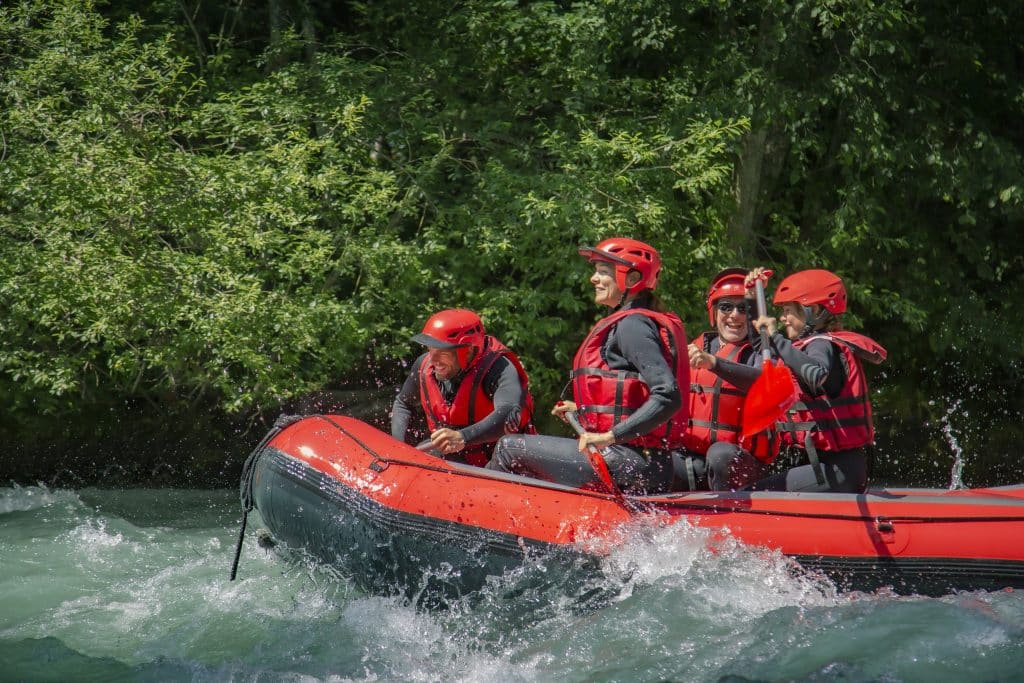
728	306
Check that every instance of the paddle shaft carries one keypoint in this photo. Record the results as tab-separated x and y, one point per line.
773	392
762	309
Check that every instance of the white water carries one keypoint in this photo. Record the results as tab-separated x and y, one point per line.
132	586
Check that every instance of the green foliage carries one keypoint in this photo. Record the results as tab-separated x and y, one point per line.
203	206
161	246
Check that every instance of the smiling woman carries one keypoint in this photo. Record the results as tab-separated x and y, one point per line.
628	377
606	291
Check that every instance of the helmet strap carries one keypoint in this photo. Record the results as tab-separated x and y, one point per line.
629	291
471	357
813	322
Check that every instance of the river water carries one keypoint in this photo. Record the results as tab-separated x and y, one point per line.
132	585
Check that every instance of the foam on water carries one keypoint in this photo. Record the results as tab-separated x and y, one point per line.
22	499
723	572
133	586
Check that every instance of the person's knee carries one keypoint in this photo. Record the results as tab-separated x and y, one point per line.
720	456
501	458
850	472
731	467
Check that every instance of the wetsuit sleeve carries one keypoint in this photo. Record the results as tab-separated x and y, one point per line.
502	386
817	366
406	403
639	341
740	375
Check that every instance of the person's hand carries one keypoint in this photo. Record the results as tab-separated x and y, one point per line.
767	322
596	440
756	274
447	440
699	359
563	407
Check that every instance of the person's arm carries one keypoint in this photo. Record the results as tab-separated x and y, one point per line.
639	341
817	366
406	403
740	375
502	386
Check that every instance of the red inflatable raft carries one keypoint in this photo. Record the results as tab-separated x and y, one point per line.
385	512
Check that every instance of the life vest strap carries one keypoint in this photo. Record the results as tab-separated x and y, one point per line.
715	425
605	410
812	456
828	403
615	374
823	425
691	474
716	390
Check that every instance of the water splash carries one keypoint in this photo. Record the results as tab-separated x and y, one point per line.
23	499
956	475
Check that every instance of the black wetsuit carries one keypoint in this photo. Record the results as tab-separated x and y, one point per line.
501	384
633	345
819	369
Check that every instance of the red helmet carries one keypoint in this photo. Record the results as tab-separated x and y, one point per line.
729	282
626	255
454	328
813	287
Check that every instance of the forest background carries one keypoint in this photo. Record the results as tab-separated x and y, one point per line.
212	211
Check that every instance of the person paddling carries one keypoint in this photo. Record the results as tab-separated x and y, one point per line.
829	428
627	381
716	403
470	388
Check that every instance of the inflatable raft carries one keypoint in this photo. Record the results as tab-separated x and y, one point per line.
388	514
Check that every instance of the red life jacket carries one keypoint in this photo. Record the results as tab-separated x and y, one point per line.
716	406
841	422
471	403
605	397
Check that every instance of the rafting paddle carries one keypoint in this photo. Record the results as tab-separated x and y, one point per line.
773	392
597	460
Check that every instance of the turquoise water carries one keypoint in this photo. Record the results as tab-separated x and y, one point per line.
101	585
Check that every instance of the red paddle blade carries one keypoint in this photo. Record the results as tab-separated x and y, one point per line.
601	469
769	397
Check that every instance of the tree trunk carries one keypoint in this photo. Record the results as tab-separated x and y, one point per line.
746	190
308	32
276	60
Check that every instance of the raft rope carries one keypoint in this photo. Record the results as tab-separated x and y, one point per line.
248	472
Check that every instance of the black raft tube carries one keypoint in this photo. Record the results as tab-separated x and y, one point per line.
248	470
